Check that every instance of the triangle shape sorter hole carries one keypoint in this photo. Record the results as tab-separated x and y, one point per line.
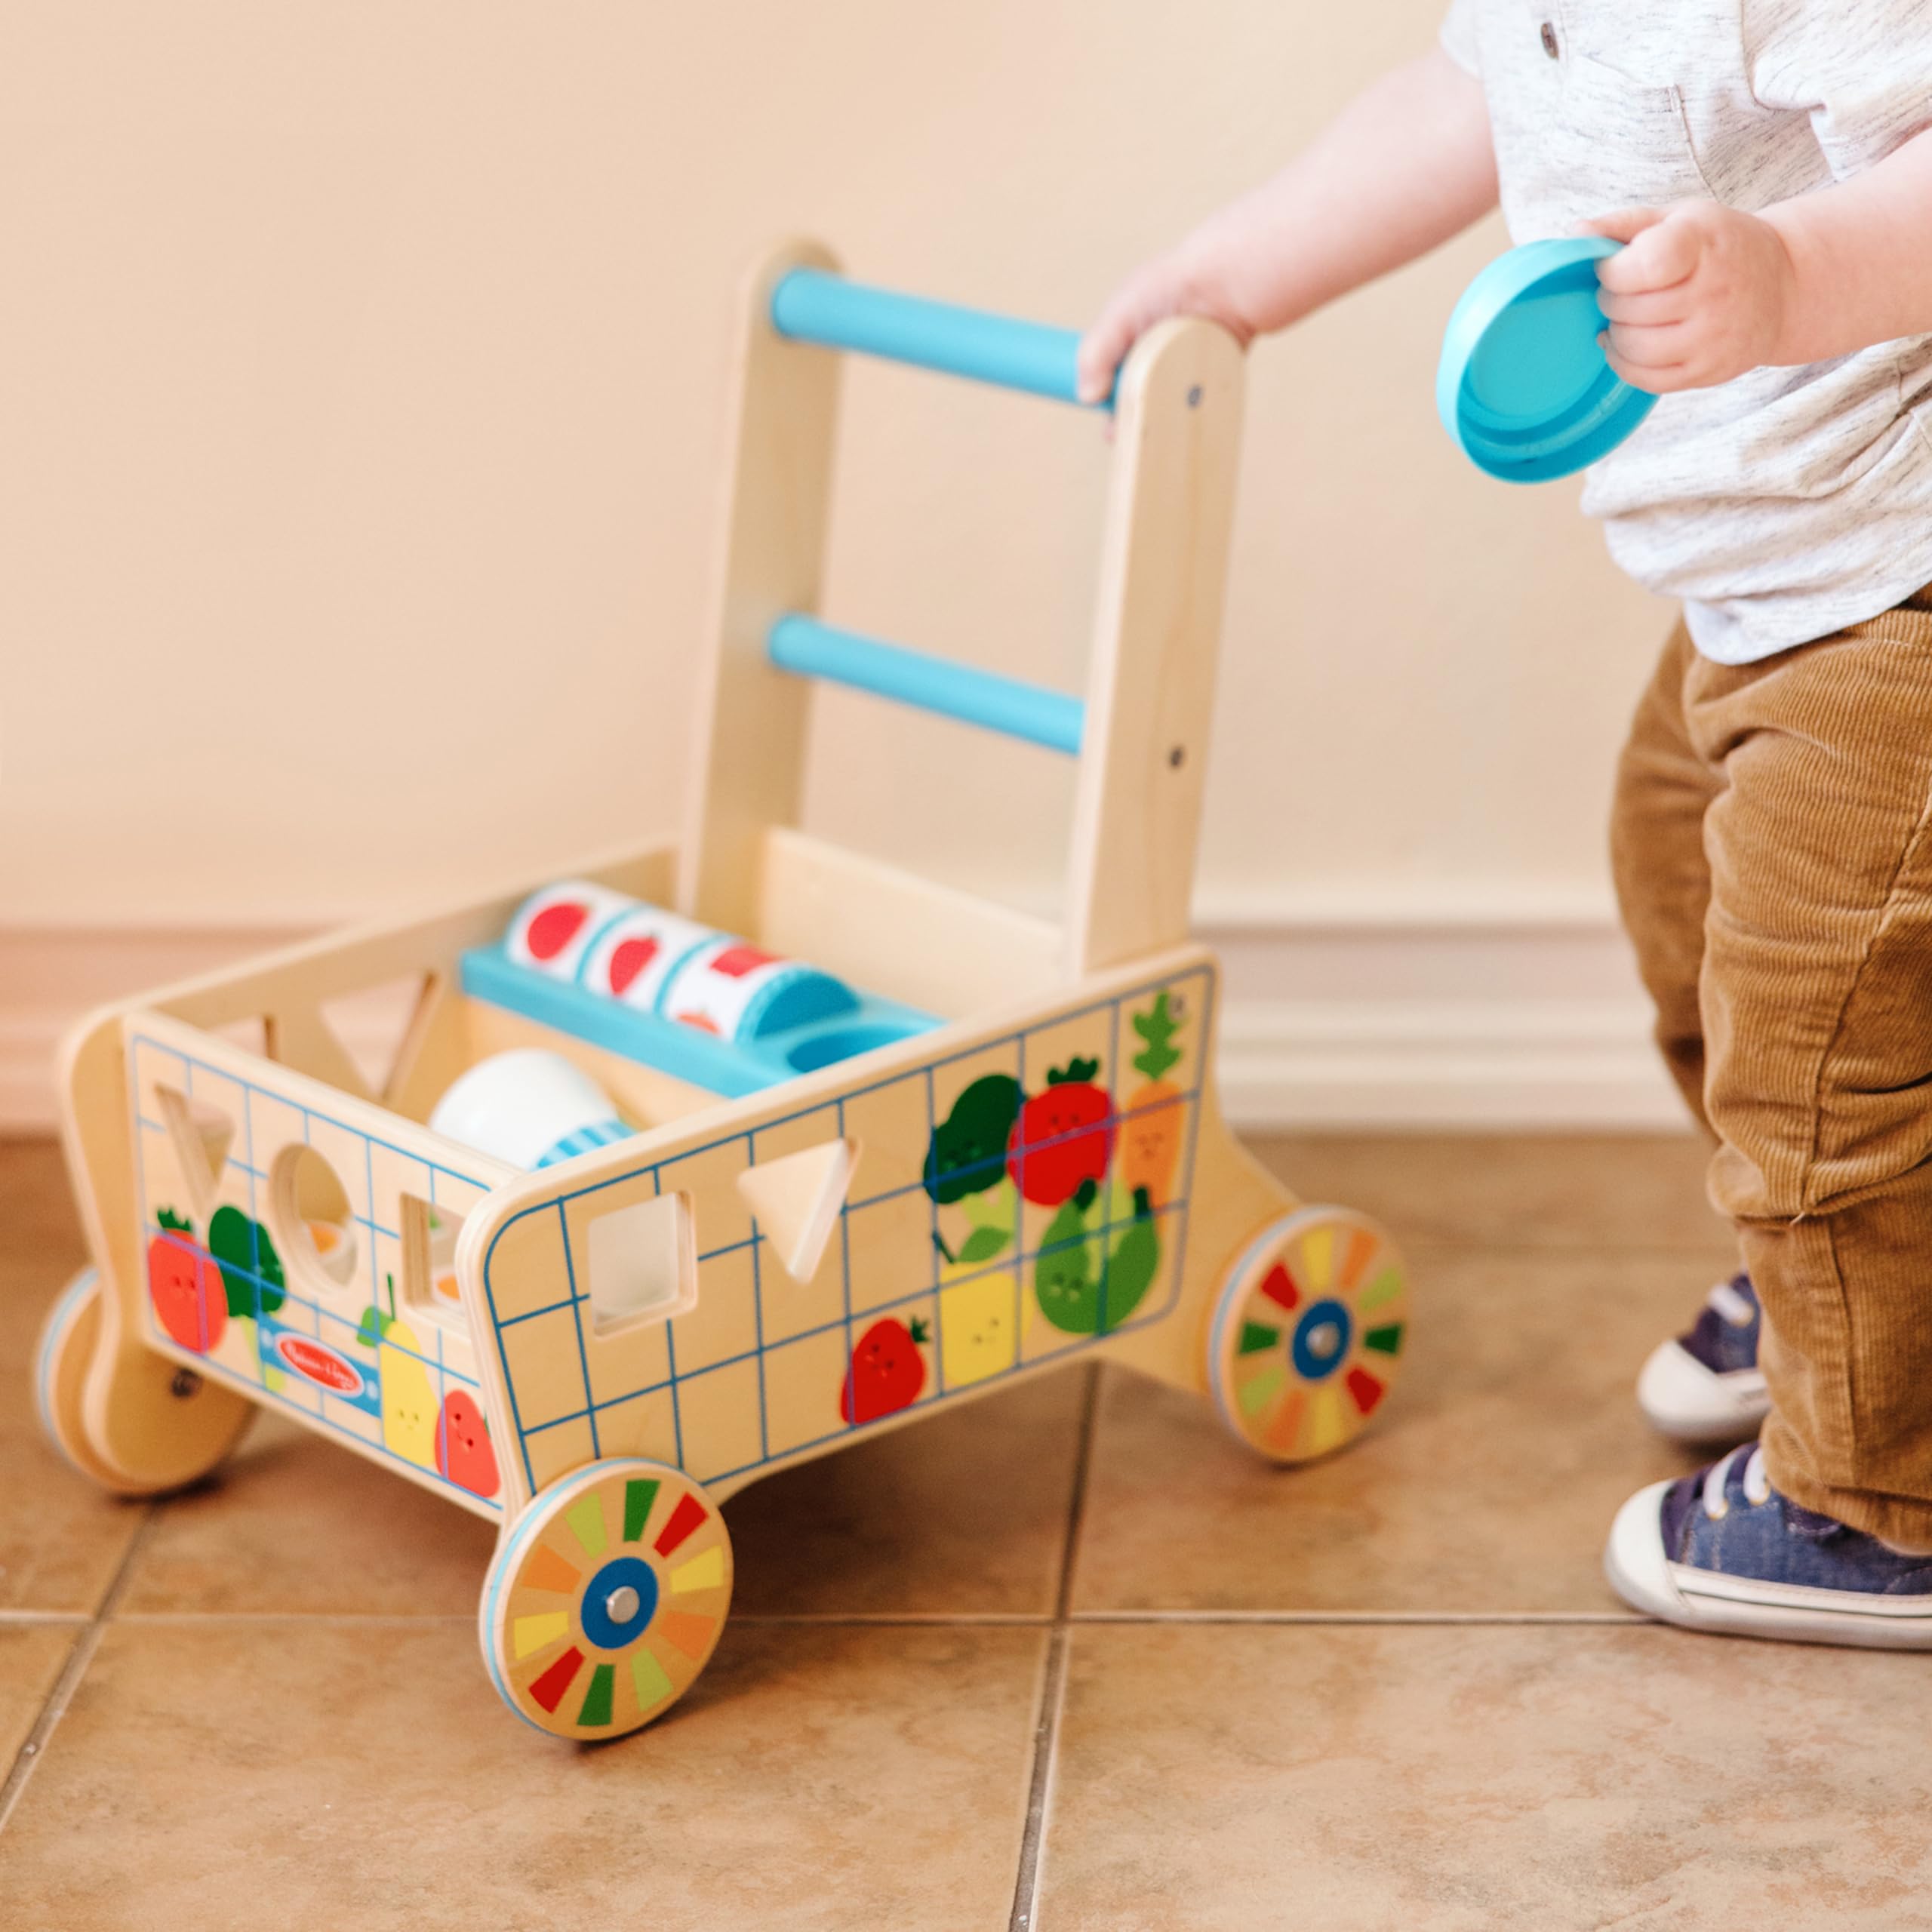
375	1026
202	1135
796	1198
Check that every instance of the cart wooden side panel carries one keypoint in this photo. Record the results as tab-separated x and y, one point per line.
992	1200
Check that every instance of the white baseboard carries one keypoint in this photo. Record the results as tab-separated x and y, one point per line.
1472	1009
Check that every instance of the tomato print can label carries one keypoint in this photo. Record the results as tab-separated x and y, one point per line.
633	957
725	987
554	929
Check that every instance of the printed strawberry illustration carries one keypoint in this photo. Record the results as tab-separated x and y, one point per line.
887	1370
186	1285
1064	1138
464	1454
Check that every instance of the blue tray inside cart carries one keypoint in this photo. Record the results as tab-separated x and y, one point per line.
835	1029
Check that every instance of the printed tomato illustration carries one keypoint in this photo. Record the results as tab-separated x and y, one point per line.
631	958
1064	1137
186	1285
735	961
555	928
887	1371
464	1454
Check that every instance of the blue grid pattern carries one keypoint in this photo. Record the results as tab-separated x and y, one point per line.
1171	1217
327	1325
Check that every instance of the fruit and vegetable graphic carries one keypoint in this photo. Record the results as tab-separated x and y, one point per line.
250	1267
554	928
409	1403
887	1370
1063	1138
967	1155
1099	1251
410	1414
976	1323
1081	1288
251	1271
463	1454
186	1285
1151	1133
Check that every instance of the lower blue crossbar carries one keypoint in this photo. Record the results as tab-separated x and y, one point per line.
804	645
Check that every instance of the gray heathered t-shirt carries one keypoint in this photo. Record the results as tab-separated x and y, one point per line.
1791	502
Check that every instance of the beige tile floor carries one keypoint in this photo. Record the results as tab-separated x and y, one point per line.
1065	1658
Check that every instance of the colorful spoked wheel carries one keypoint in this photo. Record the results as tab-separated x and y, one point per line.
606	1599
1308	1332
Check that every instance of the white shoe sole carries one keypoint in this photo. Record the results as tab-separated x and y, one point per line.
1639	1572
1685	1401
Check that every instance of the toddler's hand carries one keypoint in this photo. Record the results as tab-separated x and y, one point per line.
1169	285
1700	296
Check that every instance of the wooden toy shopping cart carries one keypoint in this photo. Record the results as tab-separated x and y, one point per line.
1004	1154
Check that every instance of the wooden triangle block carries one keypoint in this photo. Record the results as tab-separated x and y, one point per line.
796	1198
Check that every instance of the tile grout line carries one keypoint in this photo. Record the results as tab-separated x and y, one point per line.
888	1620
1052	1677
1420	1619
78	1660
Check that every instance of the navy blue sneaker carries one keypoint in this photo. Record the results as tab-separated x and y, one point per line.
1723	1551
1705	1386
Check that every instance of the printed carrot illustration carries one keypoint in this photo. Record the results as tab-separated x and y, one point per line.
1150	1134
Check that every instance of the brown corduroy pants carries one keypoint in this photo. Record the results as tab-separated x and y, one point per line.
1773	847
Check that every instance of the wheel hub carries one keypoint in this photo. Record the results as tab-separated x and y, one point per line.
619	1601
1321	1340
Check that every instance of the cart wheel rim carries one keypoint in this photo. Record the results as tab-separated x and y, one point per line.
606	1599
65	1340
1308	1333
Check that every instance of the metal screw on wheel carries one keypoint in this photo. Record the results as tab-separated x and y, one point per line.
1307	1333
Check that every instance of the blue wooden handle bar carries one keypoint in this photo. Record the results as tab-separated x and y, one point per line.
804	645
810	306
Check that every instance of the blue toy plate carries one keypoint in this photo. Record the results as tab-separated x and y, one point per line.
1523	387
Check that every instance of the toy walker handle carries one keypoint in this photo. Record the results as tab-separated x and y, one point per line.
808	305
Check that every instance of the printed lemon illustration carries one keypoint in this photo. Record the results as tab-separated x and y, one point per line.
975	1323
409	1403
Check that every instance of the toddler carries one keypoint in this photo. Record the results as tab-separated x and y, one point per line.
1769	166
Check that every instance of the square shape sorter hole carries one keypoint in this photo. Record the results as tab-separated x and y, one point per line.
642	1263
429	1239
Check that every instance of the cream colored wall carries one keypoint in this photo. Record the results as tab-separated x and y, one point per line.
362	374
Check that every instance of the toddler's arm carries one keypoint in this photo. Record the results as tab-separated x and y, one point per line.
1705	292
1407	164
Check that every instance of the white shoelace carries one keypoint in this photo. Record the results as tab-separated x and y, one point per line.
1757	1485
1731	1304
